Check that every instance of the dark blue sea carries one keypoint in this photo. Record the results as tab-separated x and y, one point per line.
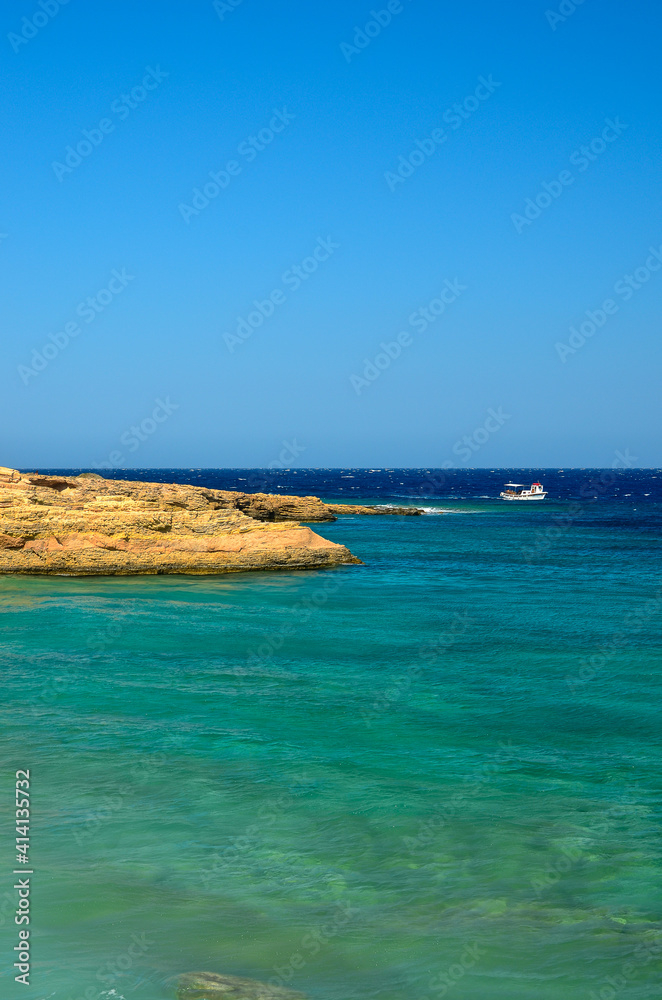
436	774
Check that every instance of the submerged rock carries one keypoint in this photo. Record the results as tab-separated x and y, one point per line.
210	986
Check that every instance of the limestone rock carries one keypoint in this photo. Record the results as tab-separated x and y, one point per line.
338	509
270	507
88	525
210	986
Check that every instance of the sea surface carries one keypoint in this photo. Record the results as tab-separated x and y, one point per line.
436	774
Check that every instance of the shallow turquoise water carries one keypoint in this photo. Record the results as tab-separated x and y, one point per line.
401	780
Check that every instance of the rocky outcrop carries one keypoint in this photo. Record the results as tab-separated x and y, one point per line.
269	507
342	509
86	524
210	986
272	507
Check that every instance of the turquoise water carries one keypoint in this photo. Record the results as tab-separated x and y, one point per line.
436	774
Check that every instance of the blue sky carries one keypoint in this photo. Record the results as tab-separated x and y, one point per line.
116	112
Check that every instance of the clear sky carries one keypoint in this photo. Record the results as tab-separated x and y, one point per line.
460	182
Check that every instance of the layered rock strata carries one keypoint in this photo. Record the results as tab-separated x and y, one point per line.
85	525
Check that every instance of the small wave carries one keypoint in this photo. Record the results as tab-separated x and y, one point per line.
448	510
391	506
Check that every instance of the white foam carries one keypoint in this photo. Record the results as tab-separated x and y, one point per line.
447	510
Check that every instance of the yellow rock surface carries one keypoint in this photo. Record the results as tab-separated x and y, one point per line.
88	525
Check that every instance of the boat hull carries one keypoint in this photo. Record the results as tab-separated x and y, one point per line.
533	496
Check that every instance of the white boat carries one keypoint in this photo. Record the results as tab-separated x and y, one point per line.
517	491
